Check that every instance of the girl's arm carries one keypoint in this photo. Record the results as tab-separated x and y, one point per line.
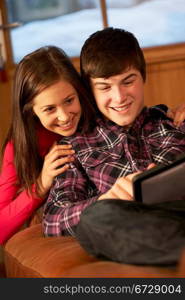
16	208
177	114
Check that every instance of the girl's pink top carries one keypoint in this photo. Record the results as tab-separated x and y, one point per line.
16	209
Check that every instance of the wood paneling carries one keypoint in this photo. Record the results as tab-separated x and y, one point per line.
165	75
5	100
165	81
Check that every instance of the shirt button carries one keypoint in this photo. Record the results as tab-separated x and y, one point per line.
145	164
63	203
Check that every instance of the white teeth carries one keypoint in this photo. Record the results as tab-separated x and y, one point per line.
65	125
120	108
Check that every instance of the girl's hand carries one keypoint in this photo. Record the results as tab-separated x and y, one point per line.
122	189
55	162
177	114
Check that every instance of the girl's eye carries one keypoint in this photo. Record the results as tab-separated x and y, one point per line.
69	101
49	109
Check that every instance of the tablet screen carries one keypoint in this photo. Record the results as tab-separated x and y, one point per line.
161	184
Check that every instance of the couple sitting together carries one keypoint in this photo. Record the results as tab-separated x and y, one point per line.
76	141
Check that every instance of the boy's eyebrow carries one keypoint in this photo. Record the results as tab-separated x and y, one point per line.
123	79
129	76
100	83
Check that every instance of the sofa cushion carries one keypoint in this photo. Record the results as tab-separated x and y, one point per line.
29	254
109	269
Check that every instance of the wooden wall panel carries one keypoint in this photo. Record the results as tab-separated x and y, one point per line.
165	83
165	80
165	75
5	100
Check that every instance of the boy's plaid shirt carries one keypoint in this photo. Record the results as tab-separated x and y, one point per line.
108	152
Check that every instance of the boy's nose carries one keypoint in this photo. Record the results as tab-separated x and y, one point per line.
119	94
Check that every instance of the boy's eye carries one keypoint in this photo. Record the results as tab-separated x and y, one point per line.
104	88
128	82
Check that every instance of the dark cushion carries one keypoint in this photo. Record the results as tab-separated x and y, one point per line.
132	232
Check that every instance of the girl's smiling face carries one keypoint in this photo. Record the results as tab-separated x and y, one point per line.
58	108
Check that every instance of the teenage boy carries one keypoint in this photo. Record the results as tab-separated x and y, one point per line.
127	136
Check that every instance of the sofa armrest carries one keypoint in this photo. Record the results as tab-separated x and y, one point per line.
29	254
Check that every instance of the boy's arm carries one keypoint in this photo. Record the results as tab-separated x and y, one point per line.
71	193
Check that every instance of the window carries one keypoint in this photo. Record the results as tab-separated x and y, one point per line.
67	23
64	23
154	22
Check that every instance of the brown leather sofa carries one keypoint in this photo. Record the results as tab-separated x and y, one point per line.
29	254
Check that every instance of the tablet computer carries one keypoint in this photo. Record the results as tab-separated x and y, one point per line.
161	183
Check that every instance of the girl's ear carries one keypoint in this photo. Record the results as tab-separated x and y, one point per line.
33	113
35	116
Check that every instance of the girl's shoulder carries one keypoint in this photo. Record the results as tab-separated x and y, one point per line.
9	151
46	139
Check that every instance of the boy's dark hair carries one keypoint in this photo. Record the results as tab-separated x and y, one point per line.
110	51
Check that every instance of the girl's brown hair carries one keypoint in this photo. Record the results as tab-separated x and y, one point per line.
35	72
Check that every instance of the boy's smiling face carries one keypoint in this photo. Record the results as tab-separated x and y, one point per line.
120	98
